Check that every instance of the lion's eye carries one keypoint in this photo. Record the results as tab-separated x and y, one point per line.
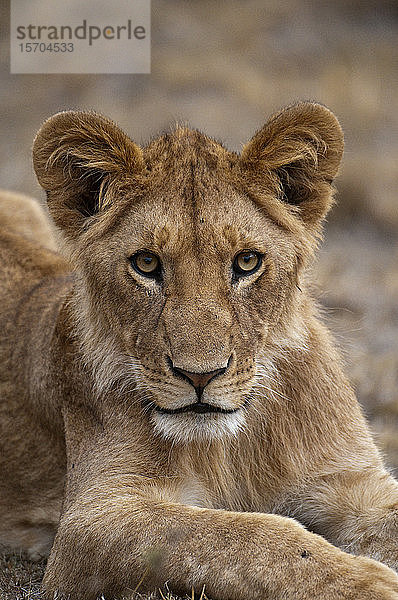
246	263
146	263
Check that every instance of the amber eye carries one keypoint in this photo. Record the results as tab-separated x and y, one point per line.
146	264
246	263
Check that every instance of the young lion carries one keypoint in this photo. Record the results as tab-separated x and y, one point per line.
171	405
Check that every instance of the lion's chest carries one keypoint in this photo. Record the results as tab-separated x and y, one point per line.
192	492
207	494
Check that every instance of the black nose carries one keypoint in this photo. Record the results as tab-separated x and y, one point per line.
198	380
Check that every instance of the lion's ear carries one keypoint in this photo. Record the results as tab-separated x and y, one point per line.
301	147
76	156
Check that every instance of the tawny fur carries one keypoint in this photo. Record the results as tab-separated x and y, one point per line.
275	500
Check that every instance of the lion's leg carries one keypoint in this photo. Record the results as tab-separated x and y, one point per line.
30	505
32	476
357	511
24	532
117	530
110	539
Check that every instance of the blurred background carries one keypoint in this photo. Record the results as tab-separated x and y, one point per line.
224	66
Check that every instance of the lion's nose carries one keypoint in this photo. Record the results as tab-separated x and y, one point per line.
198	380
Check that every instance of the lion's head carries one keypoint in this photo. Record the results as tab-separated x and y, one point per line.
188	256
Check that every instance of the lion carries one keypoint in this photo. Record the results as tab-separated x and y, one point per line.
172	407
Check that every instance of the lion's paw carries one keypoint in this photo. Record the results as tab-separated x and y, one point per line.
365	579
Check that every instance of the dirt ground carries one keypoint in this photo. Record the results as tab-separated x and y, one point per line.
224	67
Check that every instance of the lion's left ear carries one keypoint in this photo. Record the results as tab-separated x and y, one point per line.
302	146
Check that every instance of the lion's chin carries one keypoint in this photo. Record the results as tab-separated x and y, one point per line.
189	427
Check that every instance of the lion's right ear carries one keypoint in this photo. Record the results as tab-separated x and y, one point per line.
76	156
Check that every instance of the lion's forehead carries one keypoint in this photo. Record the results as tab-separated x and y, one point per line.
214	221
190	203
192	190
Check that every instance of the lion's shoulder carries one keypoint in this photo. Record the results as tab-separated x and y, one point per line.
24	216
28	247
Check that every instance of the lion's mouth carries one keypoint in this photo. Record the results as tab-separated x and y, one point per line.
198	408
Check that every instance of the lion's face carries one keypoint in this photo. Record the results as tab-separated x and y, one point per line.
185	273
191	288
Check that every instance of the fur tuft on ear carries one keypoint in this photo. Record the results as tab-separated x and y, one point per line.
76	157
301	149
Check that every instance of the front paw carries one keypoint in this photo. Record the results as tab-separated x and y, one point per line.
357	578
321	571
380	581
